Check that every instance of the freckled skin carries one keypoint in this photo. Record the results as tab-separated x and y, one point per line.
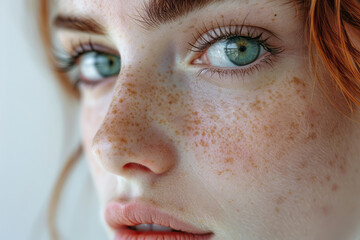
267	158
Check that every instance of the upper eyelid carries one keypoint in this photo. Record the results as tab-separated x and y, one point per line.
219	32
67	58
90	46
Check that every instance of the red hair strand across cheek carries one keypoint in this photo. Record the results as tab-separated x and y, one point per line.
330	40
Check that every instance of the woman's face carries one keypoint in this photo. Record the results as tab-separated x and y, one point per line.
214	120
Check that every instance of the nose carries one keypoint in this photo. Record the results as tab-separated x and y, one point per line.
130	138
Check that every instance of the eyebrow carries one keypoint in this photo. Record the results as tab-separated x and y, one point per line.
81	24
157	12
153	14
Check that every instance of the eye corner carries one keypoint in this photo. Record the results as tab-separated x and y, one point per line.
199	60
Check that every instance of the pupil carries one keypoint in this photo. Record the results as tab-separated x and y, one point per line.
242	49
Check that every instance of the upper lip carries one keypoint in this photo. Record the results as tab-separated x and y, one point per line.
120	215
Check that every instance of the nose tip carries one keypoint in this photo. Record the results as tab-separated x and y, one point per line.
132	136
151	152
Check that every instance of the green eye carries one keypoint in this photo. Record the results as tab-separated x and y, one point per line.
95	66
107	65
242	51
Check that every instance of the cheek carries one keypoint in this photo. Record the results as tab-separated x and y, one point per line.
280	132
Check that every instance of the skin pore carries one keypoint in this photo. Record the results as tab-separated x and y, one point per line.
255	155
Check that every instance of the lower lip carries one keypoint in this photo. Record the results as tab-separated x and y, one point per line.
127	234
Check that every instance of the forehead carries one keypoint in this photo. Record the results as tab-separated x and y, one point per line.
154	11
98	9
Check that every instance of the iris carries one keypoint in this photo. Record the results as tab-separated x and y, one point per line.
242	51
107	65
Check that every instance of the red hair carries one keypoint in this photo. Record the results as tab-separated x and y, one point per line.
329	23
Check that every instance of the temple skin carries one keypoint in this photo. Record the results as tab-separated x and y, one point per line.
260	156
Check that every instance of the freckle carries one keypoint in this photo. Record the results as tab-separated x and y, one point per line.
303	165
280	200
297	81
342	169
98	152
325	210
331	163
203	143
313	179
153	202
334	187
328	178
277	210
229	160
275	15
312	136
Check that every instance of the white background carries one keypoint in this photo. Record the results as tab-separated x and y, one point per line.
38	130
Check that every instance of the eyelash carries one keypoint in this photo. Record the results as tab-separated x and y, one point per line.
218	32
67	63
202	41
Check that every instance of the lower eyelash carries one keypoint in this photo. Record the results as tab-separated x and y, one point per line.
238	72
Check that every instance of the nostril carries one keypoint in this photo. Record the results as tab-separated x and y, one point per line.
136	166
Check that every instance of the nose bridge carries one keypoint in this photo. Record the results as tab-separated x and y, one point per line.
128	137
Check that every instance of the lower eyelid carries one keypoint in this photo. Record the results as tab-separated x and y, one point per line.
238	78
255	64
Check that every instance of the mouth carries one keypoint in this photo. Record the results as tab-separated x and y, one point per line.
155	232
151	228
139	221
